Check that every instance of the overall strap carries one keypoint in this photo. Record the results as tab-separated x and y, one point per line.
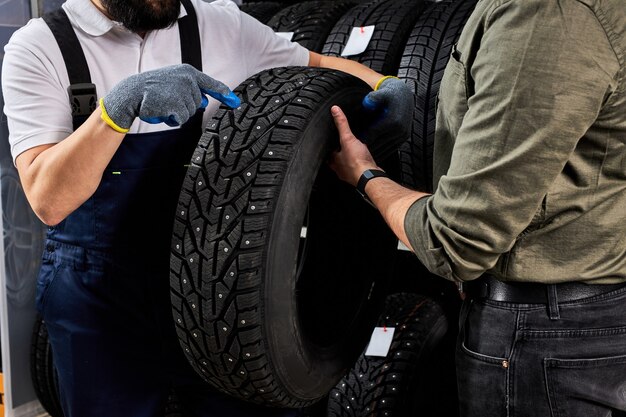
191	52
190	37
82	92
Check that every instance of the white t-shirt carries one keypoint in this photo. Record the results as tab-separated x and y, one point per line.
34	79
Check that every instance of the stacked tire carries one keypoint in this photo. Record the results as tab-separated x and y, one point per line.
43	372
393	21
310	21
261	10
394	384
424	59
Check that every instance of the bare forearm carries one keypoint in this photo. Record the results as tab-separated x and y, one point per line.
393	201
57	179
370	76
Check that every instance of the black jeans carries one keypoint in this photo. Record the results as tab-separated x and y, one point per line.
514	360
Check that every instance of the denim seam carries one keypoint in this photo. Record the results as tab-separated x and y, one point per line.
511	370
607	296
494	360
502	305
50	288
584	363
557	333
550	390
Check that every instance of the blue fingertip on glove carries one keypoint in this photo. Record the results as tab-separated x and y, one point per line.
374	106
169	120
369	104
231	100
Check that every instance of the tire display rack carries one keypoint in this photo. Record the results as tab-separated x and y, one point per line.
424	59
231	261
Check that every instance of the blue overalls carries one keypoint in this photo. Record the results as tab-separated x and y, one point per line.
103	289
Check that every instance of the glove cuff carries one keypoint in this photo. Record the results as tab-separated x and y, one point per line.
382	80
105	116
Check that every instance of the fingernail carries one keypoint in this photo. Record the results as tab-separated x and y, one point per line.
334	110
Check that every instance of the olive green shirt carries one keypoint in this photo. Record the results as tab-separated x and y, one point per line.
530	147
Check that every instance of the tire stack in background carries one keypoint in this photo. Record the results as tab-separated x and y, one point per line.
400	383
262	10
310	22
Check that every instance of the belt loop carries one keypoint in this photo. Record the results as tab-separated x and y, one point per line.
553	302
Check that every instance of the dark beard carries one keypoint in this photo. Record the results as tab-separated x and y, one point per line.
143	15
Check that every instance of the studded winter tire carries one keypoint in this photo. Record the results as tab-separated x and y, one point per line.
393	385
310	21
43	372
423	62
277	267
393	19
261	10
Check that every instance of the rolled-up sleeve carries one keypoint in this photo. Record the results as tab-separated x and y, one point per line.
537	81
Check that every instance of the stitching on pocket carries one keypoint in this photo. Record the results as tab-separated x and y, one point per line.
49	286
570	333
554	411
584	363
484	358
561	363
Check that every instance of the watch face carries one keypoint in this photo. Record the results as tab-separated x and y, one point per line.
368	174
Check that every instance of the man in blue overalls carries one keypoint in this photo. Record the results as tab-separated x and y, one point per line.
105	175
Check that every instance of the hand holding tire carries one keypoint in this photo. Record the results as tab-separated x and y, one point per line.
392	103
169	95
353	158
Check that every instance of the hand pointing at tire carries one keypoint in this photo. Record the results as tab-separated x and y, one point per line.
169	95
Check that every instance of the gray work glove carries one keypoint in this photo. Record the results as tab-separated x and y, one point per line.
169	95
391	105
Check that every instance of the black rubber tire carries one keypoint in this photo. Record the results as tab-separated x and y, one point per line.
246	289
43	373
423	62
391	386
23	238
261	10
310	21
394	20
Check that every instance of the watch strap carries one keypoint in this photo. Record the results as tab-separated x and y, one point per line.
365	177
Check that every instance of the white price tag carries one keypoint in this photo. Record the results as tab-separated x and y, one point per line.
358	40
286	35
402	246
380	343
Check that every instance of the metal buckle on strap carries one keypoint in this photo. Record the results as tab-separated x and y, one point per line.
82	98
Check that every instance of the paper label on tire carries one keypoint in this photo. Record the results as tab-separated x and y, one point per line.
358	41
380	342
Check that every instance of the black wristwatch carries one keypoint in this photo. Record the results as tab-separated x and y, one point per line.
367	175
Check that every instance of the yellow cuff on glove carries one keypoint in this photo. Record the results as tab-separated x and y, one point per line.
105	116
382	80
